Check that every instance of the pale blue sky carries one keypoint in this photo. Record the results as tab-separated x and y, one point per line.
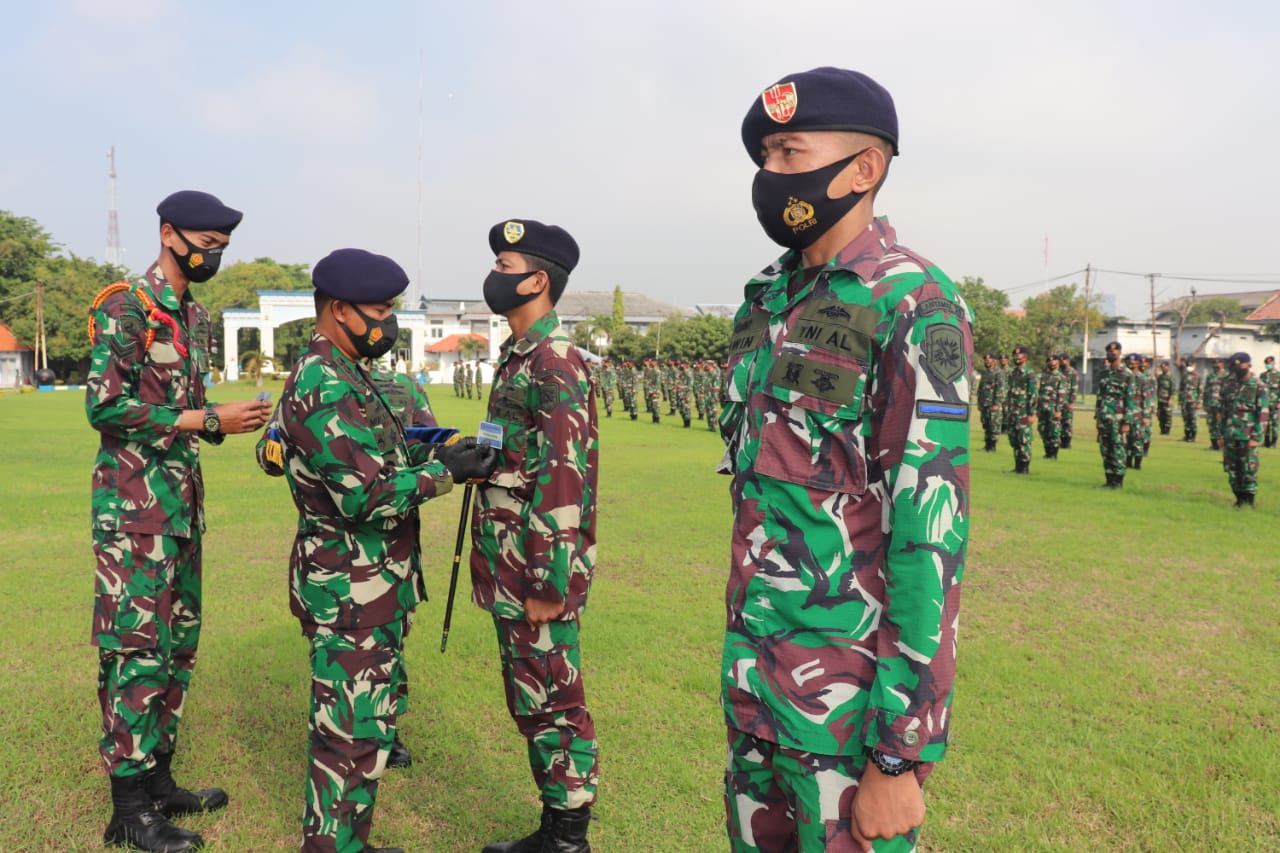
1137	135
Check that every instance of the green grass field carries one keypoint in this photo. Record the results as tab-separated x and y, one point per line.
1119	684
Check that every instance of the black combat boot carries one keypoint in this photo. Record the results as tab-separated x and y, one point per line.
1248	498
634	415
1066	444
136	820
173	801
533	843
568	831
1137	463
400	755
686	423
1239	499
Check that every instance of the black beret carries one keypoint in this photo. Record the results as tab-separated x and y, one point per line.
360	277
529	237
1022	348
197	211
1242	358
822	99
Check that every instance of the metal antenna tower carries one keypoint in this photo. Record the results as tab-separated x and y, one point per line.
113	257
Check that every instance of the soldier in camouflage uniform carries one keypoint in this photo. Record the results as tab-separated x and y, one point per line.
1115	409
1049	407
1140	425
533	531
846	424
627	388
1164	398
355	568
988	407
145	395
457	378
1271	379
680	391
1067	400
653	388
1020	409
608	385
710	377
1211	396
468	380
1189	399
1246	414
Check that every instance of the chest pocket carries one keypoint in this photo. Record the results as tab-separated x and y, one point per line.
508	407
384	429
812	432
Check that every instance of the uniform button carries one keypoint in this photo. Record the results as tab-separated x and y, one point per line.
539	585
910	738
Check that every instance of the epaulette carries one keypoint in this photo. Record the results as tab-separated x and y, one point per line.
154	313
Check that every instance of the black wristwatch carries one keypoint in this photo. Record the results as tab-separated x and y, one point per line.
212	423
890	766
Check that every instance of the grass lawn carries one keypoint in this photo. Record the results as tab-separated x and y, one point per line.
1119	684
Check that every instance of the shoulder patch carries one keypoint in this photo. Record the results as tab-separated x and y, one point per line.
943	349
936	410
548	395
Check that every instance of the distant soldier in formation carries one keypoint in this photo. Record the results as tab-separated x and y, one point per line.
1049	407
1067	400
627	388
1020	410
668	379
1114	411
1138	437
1271	378
680	391
1246	415
1164	398
608	386
1212	398
468	380
1189	399
457	378
990	402
711	394
653	388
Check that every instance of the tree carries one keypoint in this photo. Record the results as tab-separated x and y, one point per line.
587	333
994	330
629	346
1054	316
703	336
237	286
470	347
618	321
1216	309
24	245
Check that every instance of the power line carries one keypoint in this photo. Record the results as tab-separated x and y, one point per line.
1040	281
1264	278
18	296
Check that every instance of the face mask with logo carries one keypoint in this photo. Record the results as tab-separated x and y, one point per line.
379	335
500	291
794	209
197	264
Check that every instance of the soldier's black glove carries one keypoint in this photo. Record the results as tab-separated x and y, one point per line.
467	459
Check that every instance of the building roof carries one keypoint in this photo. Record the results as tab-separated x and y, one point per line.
452	342
9	343
584	304
1267	312
1250	300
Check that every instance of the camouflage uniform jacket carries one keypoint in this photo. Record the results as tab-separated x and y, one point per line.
1189	388
1117	398
1164	387
533	531
1020	400
1213	389
846	425
986	388
1148	384
1048	398
1246	419
407	400
357	485
146	478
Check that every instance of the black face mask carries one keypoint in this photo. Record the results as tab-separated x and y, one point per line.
794	209
197	264
500	291
379	335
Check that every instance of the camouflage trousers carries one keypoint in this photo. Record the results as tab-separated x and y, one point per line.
357	679
1213	420
1050	431
1241	463
780	800
1114	446
711	412
146	625
1164	415
607	394
655	404
542	677
1272	432
1067	425
990	424
628	398
1137	439
1020	441
1190	421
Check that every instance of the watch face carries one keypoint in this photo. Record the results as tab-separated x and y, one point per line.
211	423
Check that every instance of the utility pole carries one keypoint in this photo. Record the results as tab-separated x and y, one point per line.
114	253
1085	384
42	348
1155	349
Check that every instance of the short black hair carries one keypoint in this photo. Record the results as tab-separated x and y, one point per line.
322	300
558	275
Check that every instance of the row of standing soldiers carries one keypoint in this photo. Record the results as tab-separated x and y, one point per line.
1012	400
466	380
687	388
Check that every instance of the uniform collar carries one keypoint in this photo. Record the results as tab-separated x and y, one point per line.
162	290
538	332
862	257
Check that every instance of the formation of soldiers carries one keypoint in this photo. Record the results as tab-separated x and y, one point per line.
688	389
466	380
1133	397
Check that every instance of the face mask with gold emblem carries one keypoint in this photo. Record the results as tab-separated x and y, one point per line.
794	209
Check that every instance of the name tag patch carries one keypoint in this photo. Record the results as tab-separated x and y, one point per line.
837	385
936	410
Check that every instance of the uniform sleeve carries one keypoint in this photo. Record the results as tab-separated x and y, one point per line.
325	428
112	400
920	433
560	396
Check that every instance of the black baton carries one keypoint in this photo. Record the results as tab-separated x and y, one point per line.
457	558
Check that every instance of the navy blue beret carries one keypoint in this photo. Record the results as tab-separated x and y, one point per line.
1022	348
360	277
1242	358
197	211
822	99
